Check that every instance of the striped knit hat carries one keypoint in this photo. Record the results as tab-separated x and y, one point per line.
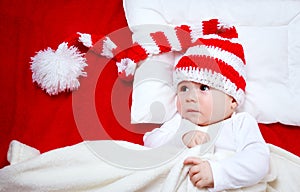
216	59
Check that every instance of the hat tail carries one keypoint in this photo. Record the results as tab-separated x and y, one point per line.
58	70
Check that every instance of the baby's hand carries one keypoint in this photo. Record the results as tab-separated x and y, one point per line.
195	137
200	172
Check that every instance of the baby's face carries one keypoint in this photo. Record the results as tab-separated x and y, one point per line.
203	105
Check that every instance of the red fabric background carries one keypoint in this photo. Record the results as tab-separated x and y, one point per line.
46	122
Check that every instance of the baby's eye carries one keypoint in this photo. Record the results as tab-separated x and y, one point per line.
184	88
204	87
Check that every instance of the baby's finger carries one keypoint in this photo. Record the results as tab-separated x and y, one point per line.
192	161
194	170
195	178
201	183
191	144
198	140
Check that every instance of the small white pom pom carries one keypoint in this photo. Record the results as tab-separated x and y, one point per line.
108	46
126	69
85	39
58	71
126	65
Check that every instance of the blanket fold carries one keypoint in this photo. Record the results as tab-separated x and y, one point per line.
77	168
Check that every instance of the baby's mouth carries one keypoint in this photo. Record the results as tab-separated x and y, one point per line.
193	111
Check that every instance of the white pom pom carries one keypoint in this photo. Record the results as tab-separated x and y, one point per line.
85	39
126	65
126	69
57	71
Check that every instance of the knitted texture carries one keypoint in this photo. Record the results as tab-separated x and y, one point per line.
215	59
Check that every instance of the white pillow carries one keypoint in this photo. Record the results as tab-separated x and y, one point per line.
153	96
269	31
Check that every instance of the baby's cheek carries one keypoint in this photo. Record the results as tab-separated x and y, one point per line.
178	105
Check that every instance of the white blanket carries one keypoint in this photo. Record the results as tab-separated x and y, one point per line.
77	168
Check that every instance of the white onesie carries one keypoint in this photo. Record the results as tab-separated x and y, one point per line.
239	134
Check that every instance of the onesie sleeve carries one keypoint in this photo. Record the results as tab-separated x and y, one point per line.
249	165
160	136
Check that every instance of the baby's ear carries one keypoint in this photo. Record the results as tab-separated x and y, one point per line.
233	104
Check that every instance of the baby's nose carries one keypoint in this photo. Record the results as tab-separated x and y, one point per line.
192	96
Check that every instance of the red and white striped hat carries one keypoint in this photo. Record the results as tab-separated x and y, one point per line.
212	56
215	59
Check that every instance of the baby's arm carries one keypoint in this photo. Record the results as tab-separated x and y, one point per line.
185	132
162	135
248	165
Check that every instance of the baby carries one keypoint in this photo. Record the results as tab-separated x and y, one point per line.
210	82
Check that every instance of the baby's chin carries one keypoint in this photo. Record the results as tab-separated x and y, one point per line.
196	120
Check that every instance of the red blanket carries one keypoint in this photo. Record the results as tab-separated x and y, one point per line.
30	115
